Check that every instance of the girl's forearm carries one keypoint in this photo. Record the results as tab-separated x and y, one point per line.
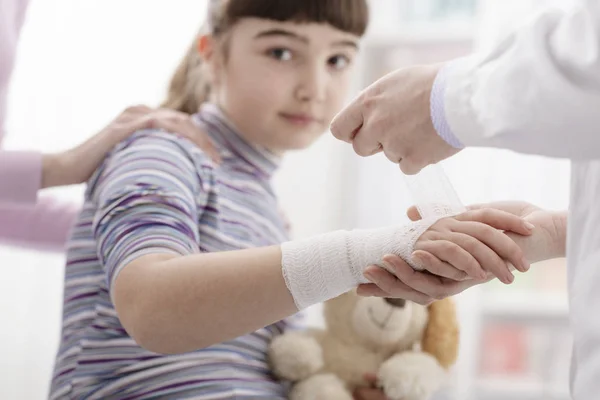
174	304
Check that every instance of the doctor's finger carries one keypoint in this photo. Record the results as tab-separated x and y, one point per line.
348	122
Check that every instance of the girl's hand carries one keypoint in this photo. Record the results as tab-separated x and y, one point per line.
548	238
78	164
370	393
472	244
546	241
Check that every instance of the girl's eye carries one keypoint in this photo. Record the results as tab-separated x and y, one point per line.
280	54
339	61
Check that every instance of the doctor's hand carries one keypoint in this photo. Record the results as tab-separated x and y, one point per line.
547	239
79	163
404	282
454	254
393	115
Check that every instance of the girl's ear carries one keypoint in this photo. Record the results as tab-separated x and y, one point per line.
206	45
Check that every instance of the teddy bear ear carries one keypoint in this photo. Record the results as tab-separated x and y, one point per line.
441	336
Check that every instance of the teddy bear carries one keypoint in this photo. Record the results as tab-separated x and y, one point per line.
409	346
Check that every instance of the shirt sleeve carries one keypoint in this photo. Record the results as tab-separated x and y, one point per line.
438	113
20	177
25	221
536	92
43	226
150	194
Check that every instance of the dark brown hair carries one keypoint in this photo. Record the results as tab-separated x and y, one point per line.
188	88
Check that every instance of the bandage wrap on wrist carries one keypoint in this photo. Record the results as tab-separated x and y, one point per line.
323	267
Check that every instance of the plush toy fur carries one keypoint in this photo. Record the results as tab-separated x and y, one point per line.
409	346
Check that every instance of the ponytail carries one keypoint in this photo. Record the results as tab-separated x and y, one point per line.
189	87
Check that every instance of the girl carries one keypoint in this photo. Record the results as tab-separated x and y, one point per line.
176	280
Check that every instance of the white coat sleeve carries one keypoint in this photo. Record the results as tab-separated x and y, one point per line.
537	92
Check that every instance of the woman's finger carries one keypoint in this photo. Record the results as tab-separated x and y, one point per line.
394	287
202	140
193	133
438	267
433	287
454	254
413	213
136	111
371	290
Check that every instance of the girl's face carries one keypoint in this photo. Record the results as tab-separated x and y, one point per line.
281	83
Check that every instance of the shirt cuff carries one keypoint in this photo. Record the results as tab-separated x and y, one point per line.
20	177
438	109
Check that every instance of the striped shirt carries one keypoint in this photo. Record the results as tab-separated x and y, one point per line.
158	193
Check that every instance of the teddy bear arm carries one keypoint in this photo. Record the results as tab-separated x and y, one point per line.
296	356
411	375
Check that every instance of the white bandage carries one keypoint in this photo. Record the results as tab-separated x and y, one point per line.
325	266
433	193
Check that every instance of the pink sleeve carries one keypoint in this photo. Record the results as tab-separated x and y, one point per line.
20	178
44	226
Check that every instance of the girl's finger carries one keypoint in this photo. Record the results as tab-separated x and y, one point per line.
498	219
435	266
487	257
369	394
453	254
371	378
498	242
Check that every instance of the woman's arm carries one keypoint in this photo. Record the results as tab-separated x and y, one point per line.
79	163
20	177
45	224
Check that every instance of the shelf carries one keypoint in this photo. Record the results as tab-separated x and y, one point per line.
525	305
518	389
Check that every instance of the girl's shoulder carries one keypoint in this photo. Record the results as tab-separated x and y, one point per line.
154	149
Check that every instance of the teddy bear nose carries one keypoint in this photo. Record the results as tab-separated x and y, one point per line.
400	303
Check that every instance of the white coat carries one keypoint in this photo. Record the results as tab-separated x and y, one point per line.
538	92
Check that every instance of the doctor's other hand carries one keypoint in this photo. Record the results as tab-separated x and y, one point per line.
393	115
